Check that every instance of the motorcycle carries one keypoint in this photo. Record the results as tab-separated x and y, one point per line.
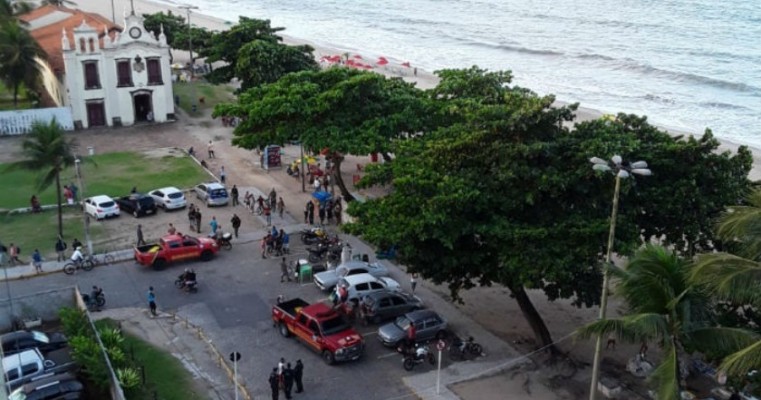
318	254
417	355
461	350
97	303
225	241
191	286
313	235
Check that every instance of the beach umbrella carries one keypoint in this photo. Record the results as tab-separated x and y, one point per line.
322	196
357	56
367	66
382	61
406	64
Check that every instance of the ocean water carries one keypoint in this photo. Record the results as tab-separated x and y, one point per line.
686	64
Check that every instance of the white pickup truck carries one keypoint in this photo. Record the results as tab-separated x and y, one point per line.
22	367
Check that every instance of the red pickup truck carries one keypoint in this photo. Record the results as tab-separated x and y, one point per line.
320	328
173	248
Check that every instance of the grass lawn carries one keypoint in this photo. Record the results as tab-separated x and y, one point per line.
113	174
39	231
6	98
164	374
212	94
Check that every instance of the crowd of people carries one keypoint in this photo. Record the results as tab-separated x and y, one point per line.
283	377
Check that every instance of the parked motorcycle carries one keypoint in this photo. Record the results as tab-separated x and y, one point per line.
462	350
321	251
313	235
95	304
188	286
417	355
225	241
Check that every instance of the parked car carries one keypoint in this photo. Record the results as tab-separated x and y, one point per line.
386	304
101	206
16	342
22	367
328	279
360	285
213	194
169	198
139	205
50	387
428	325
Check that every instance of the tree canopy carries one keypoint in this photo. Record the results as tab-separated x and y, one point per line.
225	45
262	61
19	53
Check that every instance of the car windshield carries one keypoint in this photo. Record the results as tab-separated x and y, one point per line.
40	337
106	204
333	325
218	193
175	195
402	322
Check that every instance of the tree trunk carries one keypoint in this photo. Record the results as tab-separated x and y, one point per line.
339	180
58	197
541	333
15	95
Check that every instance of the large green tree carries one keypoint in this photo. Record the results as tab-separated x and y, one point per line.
736	277
19	53
225	45
176	30
343	110
498	190
261	62
47	150
664	308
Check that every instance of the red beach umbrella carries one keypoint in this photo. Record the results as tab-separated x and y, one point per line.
382	61
406	64
357	56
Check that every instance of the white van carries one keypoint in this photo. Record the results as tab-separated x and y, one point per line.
21	367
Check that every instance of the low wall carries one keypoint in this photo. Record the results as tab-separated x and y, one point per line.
43	305
18	122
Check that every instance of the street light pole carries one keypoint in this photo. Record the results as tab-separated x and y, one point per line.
85	217
622	171
187	8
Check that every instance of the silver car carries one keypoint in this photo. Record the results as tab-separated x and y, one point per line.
428	325
169	198
213	194
327	280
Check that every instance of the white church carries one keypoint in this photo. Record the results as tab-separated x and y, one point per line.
120	80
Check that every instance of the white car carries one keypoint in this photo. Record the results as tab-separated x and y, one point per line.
100	207
327	280
169	198
359	286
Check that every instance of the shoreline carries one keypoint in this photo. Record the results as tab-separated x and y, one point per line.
423	79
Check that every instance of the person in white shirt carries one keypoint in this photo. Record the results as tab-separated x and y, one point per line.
77	257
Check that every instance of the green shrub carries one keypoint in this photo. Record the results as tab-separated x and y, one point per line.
129	378
74	322
87	353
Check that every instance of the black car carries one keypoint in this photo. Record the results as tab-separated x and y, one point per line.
386	304
138	205
56	387
16	342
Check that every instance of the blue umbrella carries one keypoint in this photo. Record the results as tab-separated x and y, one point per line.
322	196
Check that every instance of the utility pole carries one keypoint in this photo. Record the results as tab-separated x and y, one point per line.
85	217
187	8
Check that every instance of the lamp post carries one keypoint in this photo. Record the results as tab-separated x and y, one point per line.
187	9
622	171
85	217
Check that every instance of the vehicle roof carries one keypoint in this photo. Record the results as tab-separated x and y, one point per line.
168	189
421	314
171	238
11	336
319	311
25	357
213	185
387	293
101	197
360	278
37	383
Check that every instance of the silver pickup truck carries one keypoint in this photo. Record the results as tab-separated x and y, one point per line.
22	367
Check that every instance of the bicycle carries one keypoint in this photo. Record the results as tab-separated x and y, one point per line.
105	259
72	266
464	350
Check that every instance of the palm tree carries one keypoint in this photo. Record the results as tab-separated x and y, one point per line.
736	278
666	309
18	54
46	149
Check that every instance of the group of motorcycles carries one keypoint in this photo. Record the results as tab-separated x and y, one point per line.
323	246
459	350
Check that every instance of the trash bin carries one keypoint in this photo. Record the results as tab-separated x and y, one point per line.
91	150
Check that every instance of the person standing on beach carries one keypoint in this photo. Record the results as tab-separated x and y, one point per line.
60	249
236	224
210	148
152	301
140	239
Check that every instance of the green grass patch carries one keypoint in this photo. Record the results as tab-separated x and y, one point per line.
6	99
189	94
113	174
165	376
39	231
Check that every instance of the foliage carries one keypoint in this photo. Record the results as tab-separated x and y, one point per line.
18	54
171	23
498	190
212	94
262	61
346	111
225	45
663	307
129	378
87	353
74	322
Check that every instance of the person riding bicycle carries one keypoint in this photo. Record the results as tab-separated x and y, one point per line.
77	257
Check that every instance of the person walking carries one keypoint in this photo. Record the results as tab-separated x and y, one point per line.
140	239
310	209
268	214
288	380
284	271
274	384
37	261
198	219
172	230
214	226
306	212
60	249
264	246
235	221
222	174
13	252
192	217
280	207
321	213
152	301
273	198
286	240
337	211
210	148
234	194
413	281
298	373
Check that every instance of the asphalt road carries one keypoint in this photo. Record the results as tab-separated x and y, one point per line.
233	305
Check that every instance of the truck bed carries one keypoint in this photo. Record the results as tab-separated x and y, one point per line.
148	248
290	307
